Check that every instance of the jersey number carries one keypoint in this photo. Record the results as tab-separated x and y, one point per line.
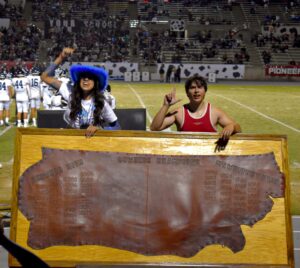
19	84
3	86
34	82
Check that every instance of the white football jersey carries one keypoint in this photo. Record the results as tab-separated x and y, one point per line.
110	99
47	94
4	90
21	86
65	80
44	88
35	86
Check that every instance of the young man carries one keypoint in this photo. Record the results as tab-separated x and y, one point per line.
21	87
35	93
6	93
195	116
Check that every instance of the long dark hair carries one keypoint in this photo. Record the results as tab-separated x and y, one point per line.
77	96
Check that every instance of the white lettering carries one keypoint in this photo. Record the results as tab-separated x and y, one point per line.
284	70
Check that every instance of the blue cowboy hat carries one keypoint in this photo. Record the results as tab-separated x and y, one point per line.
77	70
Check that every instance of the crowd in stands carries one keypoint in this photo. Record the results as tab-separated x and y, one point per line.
52	9
275	44
20	42
46	9
289	11
279	41
115	43
291	8
190	10
95	43
8	10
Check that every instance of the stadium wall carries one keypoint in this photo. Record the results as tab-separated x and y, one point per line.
254	73
222	71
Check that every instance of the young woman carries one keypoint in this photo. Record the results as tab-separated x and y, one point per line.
87	107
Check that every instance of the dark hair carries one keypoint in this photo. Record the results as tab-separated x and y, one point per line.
77	96
199	80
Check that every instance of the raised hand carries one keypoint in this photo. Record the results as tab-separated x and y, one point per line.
170	99
67	51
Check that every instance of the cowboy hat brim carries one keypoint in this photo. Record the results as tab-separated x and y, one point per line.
99	73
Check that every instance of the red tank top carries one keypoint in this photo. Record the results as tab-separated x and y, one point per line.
201	124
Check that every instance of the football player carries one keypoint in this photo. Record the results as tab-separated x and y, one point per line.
35	93
64	77
21	87
6	93
109	97
46	95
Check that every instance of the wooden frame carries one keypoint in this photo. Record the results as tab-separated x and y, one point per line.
269	242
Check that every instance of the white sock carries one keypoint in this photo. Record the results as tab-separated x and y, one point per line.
34	120
1	122
25	121
19	121
6	119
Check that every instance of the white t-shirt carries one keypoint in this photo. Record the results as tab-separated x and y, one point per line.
4	89
21	86
87	114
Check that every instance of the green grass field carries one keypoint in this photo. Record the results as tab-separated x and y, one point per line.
260	109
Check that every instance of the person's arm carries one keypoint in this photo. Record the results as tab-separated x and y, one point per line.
113	126
41	91
91	130
230	127
28	89
163	119
48	75
109	116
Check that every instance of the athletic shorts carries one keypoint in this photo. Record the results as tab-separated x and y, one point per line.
22	106
35	103
4	105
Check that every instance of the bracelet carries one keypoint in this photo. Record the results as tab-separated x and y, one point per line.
51	69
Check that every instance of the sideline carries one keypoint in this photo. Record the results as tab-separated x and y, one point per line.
5	130
141	102
257	112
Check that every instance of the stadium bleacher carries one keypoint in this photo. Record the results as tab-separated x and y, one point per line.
101	29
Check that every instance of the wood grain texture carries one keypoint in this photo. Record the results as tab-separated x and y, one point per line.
268	242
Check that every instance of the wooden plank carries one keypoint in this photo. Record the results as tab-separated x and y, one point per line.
269	242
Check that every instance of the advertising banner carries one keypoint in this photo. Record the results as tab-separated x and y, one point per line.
282	70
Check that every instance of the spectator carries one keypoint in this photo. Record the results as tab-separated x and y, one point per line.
177	76
162	73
